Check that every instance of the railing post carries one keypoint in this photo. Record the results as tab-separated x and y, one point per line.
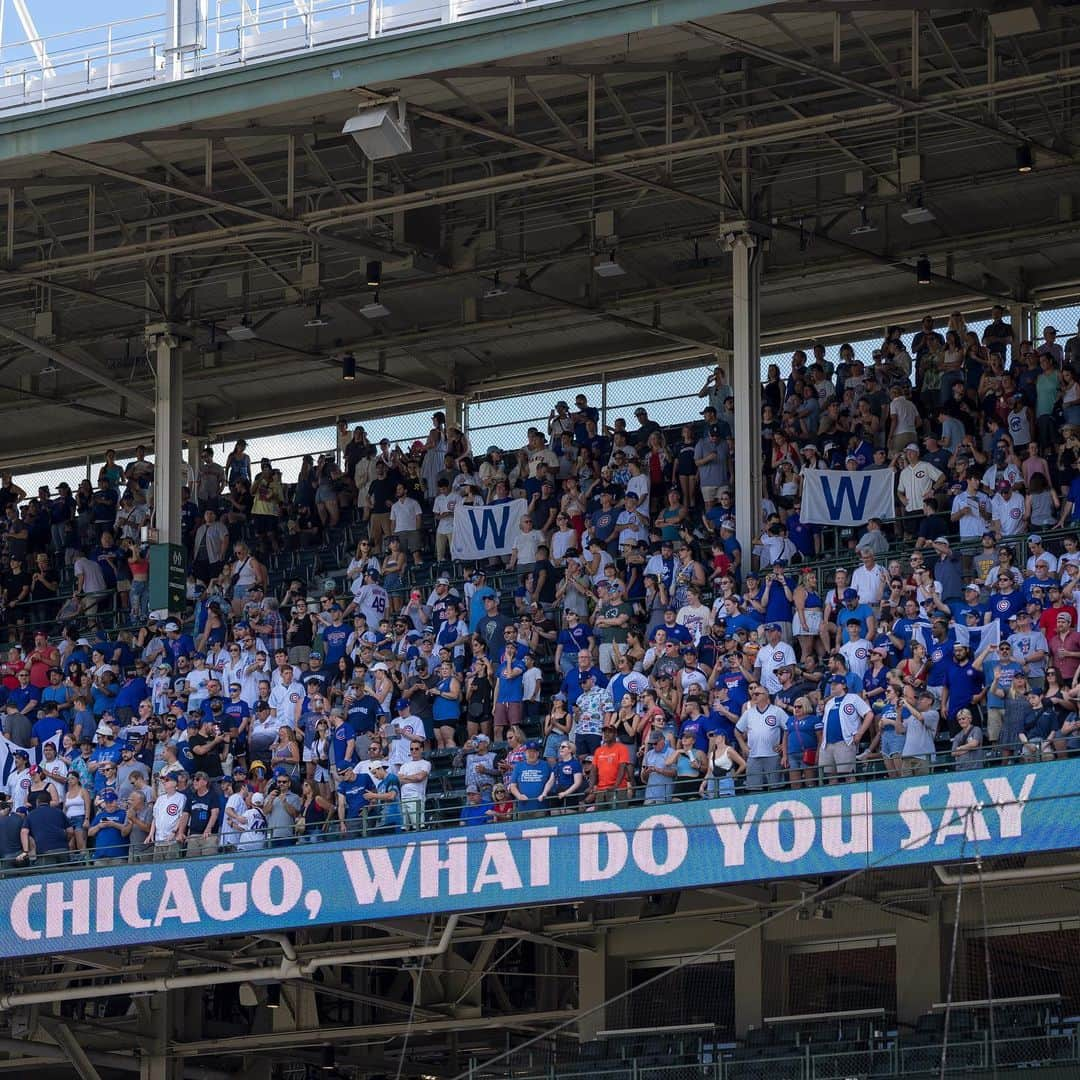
373	19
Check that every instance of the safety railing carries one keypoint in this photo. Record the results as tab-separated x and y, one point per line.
141	51
977	1056
446	807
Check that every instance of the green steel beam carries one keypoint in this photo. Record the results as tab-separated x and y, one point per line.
269	83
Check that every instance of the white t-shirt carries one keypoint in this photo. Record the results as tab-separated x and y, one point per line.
415	792
254	832
1008	513
852	709
907	416
771	657
405	515
18	786
525	546
857	655
229	832
695	619
409	728
284	703
530	684
444	504
93	579
167	812
372	600
763	728
869	583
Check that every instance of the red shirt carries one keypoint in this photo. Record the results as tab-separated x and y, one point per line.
1066	665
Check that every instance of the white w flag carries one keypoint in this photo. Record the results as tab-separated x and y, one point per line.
977	638
483	531
7	756
839	497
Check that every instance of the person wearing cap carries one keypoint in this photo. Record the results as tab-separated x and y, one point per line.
18	782
917	478
610	771
711	456
413	775
249	823
384	803
970	510
964	684
169	828
658	769
1064	646
772	656
1007	510
762	736
110	830
845	718
529	780
1030	649
45	832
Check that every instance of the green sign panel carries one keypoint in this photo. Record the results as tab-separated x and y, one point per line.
168	577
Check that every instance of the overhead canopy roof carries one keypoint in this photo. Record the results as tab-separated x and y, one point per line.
544	142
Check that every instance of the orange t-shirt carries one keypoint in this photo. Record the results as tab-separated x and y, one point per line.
607	759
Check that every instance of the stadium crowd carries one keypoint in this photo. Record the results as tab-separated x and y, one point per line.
337	673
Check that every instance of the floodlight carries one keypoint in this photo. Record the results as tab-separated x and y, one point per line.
381	131
922	270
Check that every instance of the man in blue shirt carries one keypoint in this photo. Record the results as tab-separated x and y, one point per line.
964	686
852	609
528	780
571	685
109	830
334	638
602	522
474	812
47	725
574	636
1001	669
342	741
351	803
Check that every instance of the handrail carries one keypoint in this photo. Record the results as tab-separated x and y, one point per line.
134	51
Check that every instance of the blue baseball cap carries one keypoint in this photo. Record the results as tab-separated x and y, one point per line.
280	770
109	795
403	703
532	744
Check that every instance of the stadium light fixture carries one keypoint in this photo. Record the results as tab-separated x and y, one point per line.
1025	160
610	268
327	1059
273	996
348	367
381	131
374	274
922	270
376	309
243	332
316	319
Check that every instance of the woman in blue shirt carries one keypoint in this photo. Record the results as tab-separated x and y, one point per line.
446	706
892	732
566	785
803	726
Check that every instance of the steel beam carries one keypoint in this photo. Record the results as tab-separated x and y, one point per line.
78	366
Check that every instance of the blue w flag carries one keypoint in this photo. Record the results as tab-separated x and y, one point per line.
483	531
839	497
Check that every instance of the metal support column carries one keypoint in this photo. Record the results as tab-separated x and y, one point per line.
745	243
1025	324
169	471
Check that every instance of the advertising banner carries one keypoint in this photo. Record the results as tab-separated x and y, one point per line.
827	830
